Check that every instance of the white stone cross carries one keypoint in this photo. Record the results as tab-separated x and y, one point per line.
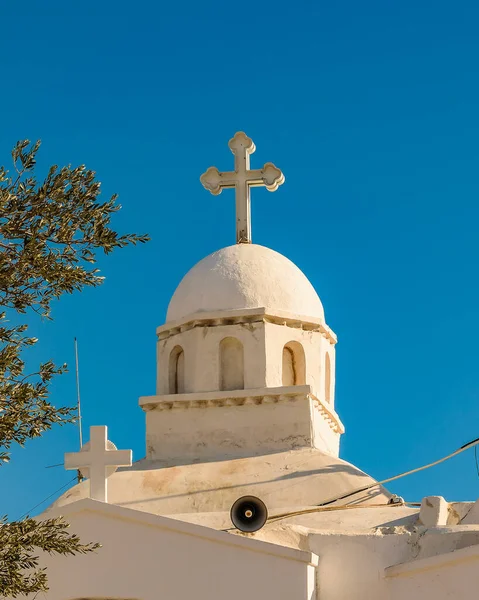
242	179
98	460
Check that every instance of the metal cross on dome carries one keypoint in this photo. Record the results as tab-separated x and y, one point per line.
98	460
242	179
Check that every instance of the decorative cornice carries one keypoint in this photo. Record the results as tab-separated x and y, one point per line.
329	414
239	317
279	395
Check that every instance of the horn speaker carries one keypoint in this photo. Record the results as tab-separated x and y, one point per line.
249	514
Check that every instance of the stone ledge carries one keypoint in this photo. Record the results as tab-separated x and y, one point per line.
238	317
242	398
439	561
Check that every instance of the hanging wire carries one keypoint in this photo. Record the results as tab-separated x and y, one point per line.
376	483
47	498
322	507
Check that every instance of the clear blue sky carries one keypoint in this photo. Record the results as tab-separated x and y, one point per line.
370	109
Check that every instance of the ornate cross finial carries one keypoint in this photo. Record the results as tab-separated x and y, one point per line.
98	460
242	179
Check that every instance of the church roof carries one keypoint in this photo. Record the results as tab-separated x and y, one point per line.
303	477
245	276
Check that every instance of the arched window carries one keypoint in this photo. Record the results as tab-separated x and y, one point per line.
177	371
327	378
231	364
294	364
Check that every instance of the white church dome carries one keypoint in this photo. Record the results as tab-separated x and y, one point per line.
245	276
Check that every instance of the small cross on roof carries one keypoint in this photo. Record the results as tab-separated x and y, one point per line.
100	461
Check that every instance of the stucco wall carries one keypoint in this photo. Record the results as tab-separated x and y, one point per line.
324	437
206	433
451	576
315	347
263	345
175	561
352	566
398	561
201	346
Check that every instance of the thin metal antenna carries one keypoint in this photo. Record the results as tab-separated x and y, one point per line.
78	394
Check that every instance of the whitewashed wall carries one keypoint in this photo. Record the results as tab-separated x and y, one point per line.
146	557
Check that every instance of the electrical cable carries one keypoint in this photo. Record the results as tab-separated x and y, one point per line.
324	508
305	511
368	487
316	509
47	498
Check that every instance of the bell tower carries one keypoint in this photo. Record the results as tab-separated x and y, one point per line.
245	360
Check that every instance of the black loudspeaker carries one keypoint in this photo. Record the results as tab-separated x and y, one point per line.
249	513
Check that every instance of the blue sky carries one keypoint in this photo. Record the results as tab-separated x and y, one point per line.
370	109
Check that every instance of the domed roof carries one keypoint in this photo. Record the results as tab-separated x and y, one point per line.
245	276
295	478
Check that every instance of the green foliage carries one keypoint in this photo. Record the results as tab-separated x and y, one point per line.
19	571
49	234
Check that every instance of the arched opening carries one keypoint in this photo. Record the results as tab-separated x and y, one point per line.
289	369
327	378
294	364
177	371
231	364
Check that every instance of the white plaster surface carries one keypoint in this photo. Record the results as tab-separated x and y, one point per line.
434	511
452	575
396	561
369	552
245	276
185	428
472	515
282	480
263	345
145	557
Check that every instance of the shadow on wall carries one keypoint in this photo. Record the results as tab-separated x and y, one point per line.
294	478
176	371
294	364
